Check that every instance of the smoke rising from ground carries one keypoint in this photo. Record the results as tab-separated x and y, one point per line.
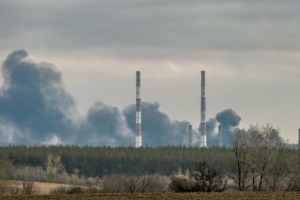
157	127
211	134
107	124
229	120
35	108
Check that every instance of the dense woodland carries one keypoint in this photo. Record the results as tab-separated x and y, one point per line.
93	161
258	160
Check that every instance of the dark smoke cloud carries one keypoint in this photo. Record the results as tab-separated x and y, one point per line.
36	109
107	126
211	134
157	128
33	103
228	119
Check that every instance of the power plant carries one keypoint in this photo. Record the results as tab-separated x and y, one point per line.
203	136
220	139
138	138
190	135
203	142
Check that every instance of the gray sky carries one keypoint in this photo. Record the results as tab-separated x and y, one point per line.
249	49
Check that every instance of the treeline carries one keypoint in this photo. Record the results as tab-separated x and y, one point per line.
90	161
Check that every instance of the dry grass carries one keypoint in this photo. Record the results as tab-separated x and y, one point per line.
175	196
43	188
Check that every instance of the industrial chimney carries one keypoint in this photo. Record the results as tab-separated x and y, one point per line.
190	135
203	112
138	139
220	137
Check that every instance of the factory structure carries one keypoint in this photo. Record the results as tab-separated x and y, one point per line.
203	136
138	137
203	140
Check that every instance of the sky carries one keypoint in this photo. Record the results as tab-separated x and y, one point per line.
92	49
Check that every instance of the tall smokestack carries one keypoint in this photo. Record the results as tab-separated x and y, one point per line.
190	135
220	136
138	139
203	112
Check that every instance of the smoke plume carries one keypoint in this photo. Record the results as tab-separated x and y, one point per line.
157	128
107	126
35	108
211	134
228	119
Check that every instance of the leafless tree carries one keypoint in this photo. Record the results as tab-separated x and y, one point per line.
254	140
279	167
54	165
29	188
205	178
259	153
269	137
294	176
238	167
131	184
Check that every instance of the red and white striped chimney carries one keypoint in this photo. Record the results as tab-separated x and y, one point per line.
138	138
203	112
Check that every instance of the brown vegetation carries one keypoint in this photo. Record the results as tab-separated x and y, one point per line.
175	196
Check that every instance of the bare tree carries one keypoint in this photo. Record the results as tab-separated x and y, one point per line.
144	182
279	167
29	188
113	184
238	167
258	152
294	164
205	178
5	168
131	184
208	178
254	141
54	165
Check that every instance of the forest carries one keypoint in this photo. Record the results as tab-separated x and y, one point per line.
258	160
93	161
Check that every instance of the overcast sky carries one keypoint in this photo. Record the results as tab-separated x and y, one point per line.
249	49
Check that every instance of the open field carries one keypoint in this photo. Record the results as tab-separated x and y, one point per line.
202	196
43	188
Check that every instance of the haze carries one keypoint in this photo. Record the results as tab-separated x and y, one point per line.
249	50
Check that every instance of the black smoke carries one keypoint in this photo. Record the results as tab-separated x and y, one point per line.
35	108
157	128
107	126
228	119
211	134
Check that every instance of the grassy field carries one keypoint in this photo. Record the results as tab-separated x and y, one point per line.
202	196
43	188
